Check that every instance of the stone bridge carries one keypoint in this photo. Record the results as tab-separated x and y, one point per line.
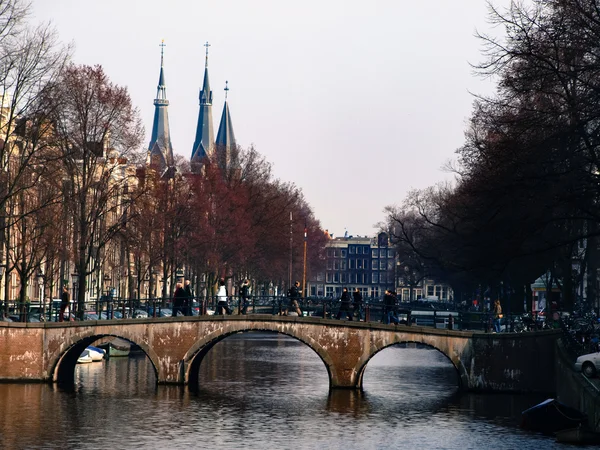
507	362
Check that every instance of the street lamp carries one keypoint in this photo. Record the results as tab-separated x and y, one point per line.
40	280
75	278
2	269
106	280
179	275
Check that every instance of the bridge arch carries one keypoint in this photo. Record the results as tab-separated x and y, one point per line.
201	347
63	363
460	370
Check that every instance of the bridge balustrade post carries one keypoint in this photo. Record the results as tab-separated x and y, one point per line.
368	313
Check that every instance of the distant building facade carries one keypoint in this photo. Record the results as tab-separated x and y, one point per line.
355	262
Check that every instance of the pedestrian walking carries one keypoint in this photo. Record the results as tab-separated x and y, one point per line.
179	300
497	315
222	306
389	308
189	298
64	304
357	304
293	296
345	305
244	296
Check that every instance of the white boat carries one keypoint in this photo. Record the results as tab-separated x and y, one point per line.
85	357
96	353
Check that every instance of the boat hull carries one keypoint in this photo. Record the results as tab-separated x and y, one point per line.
551	416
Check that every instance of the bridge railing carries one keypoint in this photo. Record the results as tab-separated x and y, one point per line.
109	307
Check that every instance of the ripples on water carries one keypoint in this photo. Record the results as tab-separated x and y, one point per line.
265	391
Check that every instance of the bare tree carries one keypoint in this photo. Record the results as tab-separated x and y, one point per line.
95	128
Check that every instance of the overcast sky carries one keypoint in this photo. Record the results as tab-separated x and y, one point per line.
356	102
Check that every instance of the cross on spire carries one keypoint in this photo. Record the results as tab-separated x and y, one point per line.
226	88
162	46
206	60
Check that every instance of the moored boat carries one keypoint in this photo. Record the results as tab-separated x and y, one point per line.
96	353
116	348
551	416
85	357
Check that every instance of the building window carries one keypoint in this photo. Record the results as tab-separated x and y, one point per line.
382	264
445	293
390	264
343	252
336	277
382	278
320	276
438	292
359	250
418	294
366	250
375	277
390	253
406	295
375	265
374	253
343	278
329	264
343	264
351	250
330	253
366	264
328	277
336	265
336	253
375	292
329	291
430	291
351	263
359	263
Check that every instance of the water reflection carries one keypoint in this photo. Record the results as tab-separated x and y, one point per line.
264	391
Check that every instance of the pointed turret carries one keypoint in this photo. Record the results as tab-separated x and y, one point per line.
225	144
205	140
160	150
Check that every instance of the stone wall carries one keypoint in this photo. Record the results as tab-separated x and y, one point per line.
574	390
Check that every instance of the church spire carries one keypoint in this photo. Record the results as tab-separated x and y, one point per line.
204	142
225	143
160	150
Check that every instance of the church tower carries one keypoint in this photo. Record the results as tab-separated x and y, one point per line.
160	150
225	144
205	140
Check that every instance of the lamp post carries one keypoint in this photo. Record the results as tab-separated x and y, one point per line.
75	278
40	280
3	311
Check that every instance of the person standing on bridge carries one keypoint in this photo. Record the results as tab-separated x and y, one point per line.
179	300
222	306
357	304
497	315
244	296
293	295
189	298
64	303
345	305
389	308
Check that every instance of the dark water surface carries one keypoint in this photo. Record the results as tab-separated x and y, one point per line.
265	391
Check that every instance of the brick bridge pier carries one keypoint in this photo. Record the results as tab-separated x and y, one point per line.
507	362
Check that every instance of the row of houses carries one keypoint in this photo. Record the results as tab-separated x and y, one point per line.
371	265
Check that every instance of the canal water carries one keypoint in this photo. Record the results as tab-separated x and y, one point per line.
265	391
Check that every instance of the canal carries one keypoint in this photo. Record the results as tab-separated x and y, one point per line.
265	391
